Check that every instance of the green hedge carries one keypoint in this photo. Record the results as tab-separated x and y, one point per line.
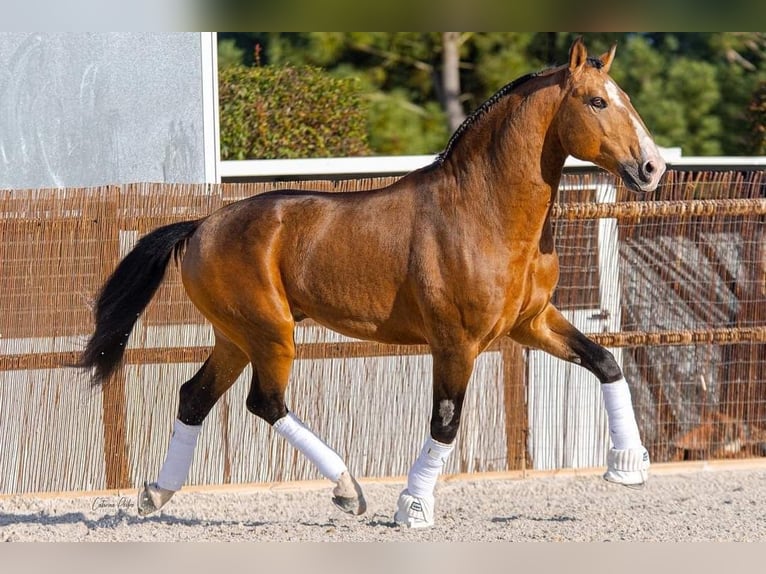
286	112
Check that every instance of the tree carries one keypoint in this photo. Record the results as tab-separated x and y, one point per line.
450	84
229	54
693	89
757	121
742	58
411	82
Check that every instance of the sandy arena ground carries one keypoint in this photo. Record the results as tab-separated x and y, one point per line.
685	502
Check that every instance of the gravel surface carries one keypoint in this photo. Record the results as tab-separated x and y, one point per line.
682	505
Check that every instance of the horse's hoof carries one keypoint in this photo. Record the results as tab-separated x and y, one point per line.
353	505
348	495
414	511
151	498
628	467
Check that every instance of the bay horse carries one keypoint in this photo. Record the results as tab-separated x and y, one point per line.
453	255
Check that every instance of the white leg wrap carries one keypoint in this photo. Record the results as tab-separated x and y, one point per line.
322	456
628	460
178	460
622	420
424	473
415	508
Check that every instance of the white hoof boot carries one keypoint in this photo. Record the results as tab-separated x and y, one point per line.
348	496
629	467
151	498
414	511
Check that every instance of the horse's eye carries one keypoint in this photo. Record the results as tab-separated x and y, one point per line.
598	102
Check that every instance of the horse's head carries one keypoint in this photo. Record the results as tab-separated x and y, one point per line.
597	123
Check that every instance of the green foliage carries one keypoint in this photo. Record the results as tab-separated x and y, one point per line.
396	74
692	88
499	57
399	127
694	84
289	112
229	54
675	96
756	119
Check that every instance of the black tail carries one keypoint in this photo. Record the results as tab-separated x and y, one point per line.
126	294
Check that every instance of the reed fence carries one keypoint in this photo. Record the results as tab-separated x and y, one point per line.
690	332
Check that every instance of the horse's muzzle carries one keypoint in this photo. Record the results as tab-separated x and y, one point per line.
645	176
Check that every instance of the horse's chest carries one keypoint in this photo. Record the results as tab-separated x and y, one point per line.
533	288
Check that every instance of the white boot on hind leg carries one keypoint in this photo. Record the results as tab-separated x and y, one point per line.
347	494
174	470
629	467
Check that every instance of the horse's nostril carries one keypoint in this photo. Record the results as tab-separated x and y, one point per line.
649	168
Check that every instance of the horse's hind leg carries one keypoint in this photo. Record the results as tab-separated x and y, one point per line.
196	398
266	399
628	460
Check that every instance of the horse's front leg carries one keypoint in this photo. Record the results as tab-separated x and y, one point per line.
627	460
451	371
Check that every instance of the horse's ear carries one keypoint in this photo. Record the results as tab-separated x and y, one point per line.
607	58
578	55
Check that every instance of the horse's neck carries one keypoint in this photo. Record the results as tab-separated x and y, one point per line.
511	159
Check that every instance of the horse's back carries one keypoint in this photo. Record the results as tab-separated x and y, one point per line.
339	258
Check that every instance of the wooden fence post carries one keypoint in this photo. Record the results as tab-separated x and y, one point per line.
115	435
515	391
113	390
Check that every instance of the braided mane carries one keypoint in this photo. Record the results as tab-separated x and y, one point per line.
479	112
482	110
